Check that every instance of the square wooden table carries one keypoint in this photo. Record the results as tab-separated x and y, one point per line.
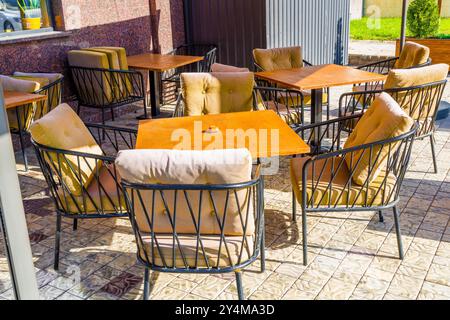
316	78
15	99
267	135
155	64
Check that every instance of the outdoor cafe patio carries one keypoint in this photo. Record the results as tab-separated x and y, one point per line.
202	180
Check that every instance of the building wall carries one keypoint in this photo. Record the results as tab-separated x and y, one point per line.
393	8
124	23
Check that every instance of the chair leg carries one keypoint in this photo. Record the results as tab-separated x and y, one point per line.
240	289
112	115
294	207
57	241
145	108
380	215
399	235
75	224
305	238
24	152
263	251
433	152
146	284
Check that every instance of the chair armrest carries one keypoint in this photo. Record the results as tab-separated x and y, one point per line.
118	138
331	133
307	63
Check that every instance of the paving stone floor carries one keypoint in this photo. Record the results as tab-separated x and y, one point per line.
352	255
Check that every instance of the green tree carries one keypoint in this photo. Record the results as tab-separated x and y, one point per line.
423	18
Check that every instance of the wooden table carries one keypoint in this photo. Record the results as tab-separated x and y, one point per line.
316	78
155	64
266	134
16	99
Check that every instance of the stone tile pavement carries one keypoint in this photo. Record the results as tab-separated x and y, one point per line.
352	255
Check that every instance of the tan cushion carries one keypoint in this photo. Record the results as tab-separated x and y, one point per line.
214	93
61	128
102	195
412	55
278	58
189	167
218	67
339	192
238	251
412	101
92	59
384	119
25	112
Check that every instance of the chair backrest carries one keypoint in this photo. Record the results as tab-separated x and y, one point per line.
214	93
218	67
419	92
51	87
207	51
62	129
383	120
278	58
412	55
189	197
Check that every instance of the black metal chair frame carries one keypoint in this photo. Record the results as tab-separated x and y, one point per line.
384	66
410	99
255	194
209	52
265	83
30	112
125	87
117	137
396	163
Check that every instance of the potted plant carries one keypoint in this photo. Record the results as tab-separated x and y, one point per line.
423	22
30	12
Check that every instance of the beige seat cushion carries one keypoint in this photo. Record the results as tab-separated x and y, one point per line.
339	192
239	251
218	67
384	119
189	167
102	195
62	129
214	93
412	55
93	92
25	112
278	58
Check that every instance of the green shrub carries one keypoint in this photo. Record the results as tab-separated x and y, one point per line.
423	18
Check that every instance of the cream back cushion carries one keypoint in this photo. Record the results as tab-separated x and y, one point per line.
413	54
419	104
278	58
384	119
169	167
61	128
214	93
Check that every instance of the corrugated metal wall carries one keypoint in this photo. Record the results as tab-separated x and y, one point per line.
321	27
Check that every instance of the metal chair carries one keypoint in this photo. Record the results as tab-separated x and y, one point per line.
107	88
182	239
420	102
170	80
306	94
325	180
97	196
25	115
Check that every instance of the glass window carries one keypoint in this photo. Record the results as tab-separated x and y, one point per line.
24	16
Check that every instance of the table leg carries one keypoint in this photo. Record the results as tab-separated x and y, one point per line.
316	114
154	94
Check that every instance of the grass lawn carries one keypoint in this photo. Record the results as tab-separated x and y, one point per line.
389	29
